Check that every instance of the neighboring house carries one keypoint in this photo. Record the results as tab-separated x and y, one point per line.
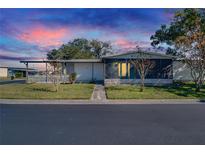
114	69
6	71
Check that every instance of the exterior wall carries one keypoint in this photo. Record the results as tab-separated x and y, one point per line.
88	72
69	68
156	82
84	71
3	72
181	72
98	73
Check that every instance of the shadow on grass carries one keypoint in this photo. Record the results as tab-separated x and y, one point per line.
185	90
43	90
202	100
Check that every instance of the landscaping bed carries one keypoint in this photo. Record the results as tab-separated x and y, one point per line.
46	91
184	91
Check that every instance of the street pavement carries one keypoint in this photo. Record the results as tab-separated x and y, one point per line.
102	124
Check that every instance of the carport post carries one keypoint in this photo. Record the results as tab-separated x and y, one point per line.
46	72
27	72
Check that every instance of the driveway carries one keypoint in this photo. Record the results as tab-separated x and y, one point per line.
102	124
12	81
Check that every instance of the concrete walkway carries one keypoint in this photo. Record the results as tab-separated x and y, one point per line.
99	93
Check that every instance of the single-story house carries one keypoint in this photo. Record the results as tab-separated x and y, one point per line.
117	69
6	71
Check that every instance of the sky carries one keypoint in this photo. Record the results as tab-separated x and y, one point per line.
31	33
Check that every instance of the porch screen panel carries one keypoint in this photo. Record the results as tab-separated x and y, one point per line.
155	72
166	69
161	70
111	70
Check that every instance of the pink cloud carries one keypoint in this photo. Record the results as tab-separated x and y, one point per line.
123	43
43	36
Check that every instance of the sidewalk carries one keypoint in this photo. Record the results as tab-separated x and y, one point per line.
99	93
93	102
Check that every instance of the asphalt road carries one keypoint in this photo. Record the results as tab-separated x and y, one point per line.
102	124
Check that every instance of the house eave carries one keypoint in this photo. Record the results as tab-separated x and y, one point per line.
63	61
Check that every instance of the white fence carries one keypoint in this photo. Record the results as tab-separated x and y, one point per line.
44	78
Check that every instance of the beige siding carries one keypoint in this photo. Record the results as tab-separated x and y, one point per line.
87	72
181	72
84	71
3	72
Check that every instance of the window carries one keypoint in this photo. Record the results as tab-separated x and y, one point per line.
124	70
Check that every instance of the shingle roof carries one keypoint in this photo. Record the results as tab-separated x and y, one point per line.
136	52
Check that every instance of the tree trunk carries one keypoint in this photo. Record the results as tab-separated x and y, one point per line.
198	86
142	84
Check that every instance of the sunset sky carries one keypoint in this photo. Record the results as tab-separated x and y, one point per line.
31	33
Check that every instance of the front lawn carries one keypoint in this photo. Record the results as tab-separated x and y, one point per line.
185	91
46	91
4	78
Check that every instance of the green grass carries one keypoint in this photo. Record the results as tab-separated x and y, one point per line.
46	91
186	91
4	78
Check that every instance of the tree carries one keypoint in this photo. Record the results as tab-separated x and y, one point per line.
53	54
54	74
186	37
100	48
142	65
80	48
75	49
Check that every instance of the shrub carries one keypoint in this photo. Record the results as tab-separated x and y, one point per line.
12	77
179	83
72	77
18	74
